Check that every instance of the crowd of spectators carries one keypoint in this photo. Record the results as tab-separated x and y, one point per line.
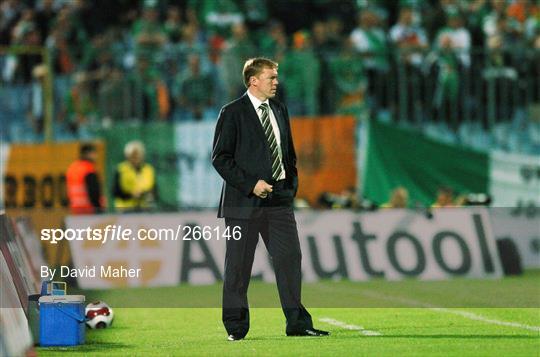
397	198
168	60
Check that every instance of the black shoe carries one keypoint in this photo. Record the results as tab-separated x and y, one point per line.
233	337
309	332
321	332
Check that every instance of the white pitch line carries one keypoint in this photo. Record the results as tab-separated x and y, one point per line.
347	326
466	314
473	316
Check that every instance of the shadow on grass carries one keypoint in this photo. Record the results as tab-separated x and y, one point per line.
87	347
355	334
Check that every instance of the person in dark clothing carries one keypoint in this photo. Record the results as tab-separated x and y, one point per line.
254	154
83	185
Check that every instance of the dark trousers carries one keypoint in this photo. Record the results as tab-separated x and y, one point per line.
276	225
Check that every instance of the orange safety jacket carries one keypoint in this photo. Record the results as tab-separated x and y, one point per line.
79	200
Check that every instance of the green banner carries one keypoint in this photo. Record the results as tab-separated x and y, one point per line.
400	157
158	139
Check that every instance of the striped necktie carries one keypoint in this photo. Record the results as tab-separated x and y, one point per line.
272	142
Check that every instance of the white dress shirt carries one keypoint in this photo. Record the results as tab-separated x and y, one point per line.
256	104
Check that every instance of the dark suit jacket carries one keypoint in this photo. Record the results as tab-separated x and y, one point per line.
241	155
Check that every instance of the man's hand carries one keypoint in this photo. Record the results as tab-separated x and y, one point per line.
262	189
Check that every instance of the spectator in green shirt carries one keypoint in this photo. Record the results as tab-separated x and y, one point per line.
237	50
300	69
350	81
217	16
150	94
149	34
369	40
80	109
193	91
173	24
273	41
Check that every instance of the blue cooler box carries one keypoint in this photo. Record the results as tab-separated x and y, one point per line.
61	320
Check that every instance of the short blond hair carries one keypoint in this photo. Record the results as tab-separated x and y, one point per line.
254	67
134	146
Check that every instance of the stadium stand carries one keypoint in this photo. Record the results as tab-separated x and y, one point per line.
457	81
464	72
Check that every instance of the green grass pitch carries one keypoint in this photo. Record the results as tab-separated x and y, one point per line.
377	318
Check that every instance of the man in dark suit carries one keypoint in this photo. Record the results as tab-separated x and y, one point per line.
253	151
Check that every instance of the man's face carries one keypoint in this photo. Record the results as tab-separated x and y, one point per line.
265	84
406	17
92	156
136	158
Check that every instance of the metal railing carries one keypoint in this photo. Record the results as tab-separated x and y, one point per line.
46	80
480	86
